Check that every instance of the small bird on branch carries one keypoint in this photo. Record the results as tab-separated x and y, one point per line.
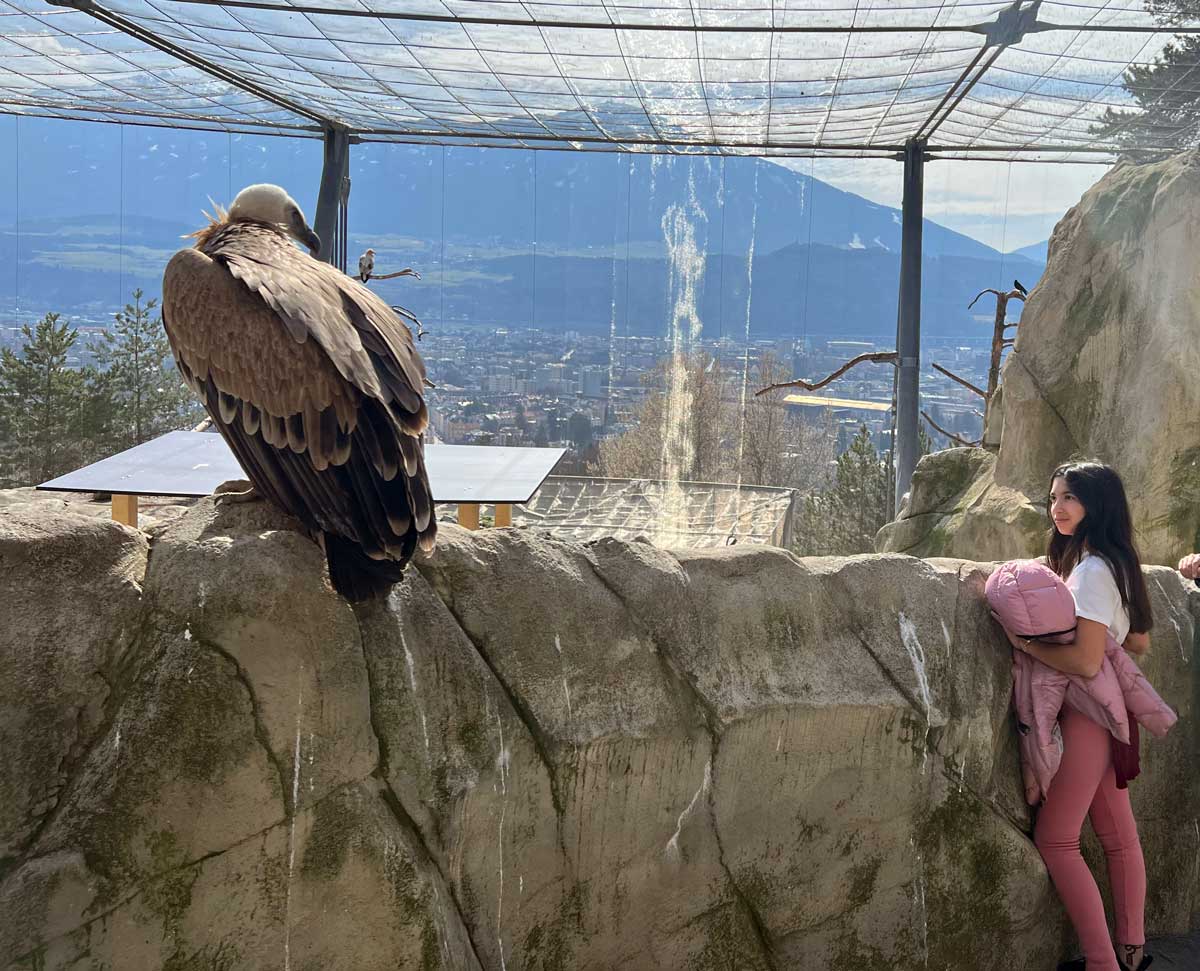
366	269
366	265
1020	289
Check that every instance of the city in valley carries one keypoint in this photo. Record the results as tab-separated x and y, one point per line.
497	386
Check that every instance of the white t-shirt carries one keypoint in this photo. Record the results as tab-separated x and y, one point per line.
1097	596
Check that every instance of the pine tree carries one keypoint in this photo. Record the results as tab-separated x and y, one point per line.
1165	90
41	405
845	518
148	396
579	430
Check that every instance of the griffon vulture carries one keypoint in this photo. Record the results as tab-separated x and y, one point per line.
312	380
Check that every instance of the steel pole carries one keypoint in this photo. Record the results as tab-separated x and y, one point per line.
334	172
908	329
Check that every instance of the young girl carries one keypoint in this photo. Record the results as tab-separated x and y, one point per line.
1091	548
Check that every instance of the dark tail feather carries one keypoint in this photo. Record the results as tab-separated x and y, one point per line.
355	575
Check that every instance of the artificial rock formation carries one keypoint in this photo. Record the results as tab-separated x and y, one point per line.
534	755
1105	366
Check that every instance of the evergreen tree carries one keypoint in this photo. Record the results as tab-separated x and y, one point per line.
845	518
1165	90
41	405
579	430
148	397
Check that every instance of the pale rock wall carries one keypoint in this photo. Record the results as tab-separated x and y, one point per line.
535	755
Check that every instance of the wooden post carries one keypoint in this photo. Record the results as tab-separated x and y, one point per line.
997	346
999	342
125	509
503	514
468	515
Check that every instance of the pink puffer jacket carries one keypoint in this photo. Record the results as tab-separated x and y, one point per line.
1031	600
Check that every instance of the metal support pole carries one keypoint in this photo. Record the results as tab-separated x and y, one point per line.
908	330
335	177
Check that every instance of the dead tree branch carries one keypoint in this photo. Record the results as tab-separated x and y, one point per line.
949	435
999	341
1006	296
874	357
963	381
407	271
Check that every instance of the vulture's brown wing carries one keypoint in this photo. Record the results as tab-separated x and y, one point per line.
315	301
326	447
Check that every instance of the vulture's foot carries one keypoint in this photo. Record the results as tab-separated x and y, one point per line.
235	490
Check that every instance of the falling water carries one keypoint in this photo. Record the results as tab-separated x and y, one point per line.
612	318
685	270
287	914
566	690
737	522
916	654
949	650
1183	656
919	905
412	683
962	772
502	767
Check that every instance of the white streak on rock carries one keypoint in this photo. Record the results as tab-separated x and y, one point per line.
672	849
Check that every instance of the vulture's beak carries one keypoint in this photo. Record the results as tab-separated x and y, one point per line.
313	242
303	232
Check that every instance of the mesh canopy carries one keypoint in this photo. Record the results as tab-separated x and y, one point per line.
808	77
61	63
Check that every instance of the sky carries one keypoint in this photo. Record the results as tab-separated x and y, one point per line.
1006	205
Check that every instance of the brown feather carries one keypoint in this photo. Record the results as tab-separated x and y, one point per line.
317	387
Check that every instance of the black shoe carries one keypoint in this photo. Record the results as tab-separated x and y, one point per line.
1080	964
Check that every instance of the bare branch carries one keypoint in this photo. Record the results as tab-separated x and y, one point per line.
1010	295
1008	342
963	381
949	435
875	357
980	294
999	326
407	271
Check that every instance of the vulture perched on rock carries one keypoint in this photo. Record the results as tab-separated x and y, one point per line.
312	380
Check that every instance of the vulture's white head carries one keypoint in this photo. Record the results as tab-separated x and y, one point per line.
267	203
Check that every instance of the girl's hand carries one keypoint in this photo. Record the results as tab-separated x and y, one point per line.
1137	643
1189	566
1018	642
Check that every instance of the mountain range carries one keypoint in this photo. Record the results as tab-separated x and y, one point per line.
556	240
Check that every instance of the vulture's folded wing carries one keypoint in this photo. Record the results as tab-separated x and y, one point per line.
315	300
313	442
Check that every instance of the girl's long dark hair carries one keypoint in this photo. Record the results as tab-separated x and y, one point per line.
1106	530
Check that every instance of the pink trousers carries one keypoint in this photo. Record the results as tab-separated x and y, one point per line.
1085	785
